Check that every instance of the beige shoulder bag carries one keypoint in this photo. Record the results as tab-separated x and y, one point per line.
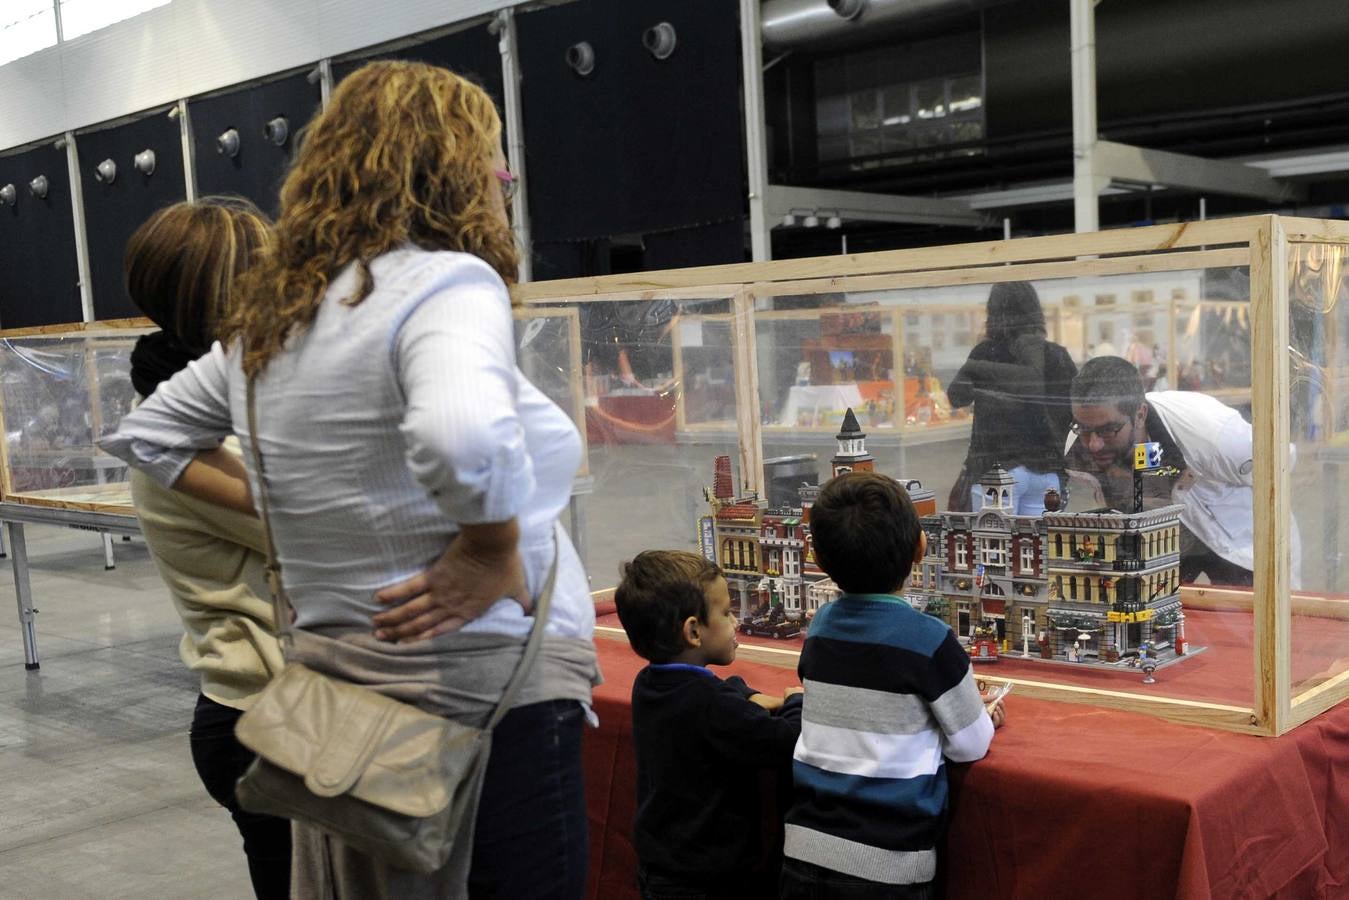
379	775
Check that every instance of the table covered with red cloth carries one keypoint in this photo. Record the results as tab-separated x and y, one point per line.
1072	801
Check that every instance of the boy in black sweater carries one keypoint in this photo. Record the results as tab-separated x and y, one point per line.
701	741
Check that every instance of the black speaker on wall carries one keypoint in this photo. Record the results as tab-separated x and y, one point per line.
235	150
39	275
472	53
119	195
632	128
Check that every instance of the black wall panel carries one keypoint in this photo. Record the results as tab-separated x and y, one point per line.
472	53
639	145
260	166
703	245
39	280
113	211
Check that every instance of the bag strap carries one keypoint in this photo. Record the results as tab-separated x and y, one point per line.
281	607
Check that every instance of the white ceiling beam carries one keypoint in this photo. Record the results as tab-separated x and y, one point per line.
781	200
1140	165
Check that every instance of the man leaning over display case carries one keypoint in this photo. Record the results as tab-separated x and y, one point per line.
1206	446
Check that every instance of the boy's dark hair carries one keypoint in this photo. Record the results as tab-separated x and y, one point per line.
658	591
866	532
1109	379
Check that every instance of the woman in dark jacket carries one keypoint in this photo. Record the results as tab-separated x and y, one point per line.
1019	383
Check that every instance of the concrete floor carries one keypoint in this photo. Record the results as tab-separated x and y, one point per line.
98	796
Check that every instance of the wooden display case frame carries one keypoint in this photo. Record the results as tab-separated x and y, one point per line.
1261	243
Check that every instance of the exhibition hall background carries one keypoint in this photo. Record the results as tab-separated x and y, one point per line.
641	163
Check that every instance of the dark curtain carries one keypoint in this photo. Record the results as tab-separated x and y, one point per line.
260	166
39	276
113	211
640	145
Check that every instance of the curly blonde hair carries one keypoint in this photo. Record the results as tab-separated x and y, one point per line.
402	154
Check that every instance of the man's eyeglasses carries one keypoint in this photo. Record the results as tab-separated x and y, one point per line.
509	183
1104	432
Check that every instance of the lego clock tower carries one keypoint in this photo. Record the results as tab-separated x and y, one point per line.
852	455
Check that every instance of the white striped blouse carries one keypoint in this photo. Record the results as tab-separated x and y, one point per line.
385	425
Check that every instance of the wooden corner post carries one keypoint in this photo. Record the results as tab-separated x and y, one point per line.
1272	513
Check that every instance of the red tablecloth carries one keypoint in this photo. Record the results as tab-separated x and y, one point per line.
1222	673
1074	801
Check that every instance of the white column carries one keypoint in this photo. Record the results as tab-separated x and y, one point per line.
189	153
756	147
1086	186
81	233
515	137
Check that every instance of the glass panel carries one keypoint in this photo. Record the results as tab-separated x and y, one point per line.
966	96
703	370
60	393
1088	594
866	111
659	407
815	364
548	351
930	100
1319	427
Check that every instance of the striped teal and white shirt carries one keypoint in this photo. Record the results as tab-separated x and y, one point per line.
889	696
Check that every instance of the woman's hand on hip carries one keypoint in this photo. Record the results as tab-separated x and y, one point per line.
481	566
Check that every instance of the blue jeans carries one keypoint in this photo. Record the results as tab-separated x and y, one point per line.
1028	494
531	840
807	881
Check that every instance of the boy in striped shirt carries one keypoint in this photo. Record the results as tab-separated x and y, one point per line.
889	696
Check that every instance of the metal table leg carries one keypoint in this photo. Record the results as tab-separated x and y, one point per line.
109	561
24	591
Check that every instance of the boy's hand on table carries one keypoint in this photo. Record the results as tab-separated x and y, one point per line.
792	691
767	702
997	711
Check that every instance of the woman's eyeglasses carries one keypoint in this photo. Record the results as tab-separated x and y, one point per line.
1105	432
510	185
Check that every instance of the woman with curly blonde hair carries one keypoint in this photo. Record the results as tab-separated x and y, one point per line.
414	475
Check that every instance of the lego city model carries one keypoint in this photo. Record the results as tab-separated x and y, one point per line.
1096	589
766	551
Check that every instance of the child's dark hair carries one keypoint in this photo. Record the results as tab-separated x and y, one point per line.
659	591
866	532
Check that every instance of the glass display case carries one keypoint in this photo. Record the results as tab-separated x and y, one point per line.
61	389
1206	587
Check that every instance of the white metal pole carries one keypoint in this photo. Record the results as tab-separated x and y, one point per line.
1086	189
189	153
515	137
81	232
325	81
756	148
